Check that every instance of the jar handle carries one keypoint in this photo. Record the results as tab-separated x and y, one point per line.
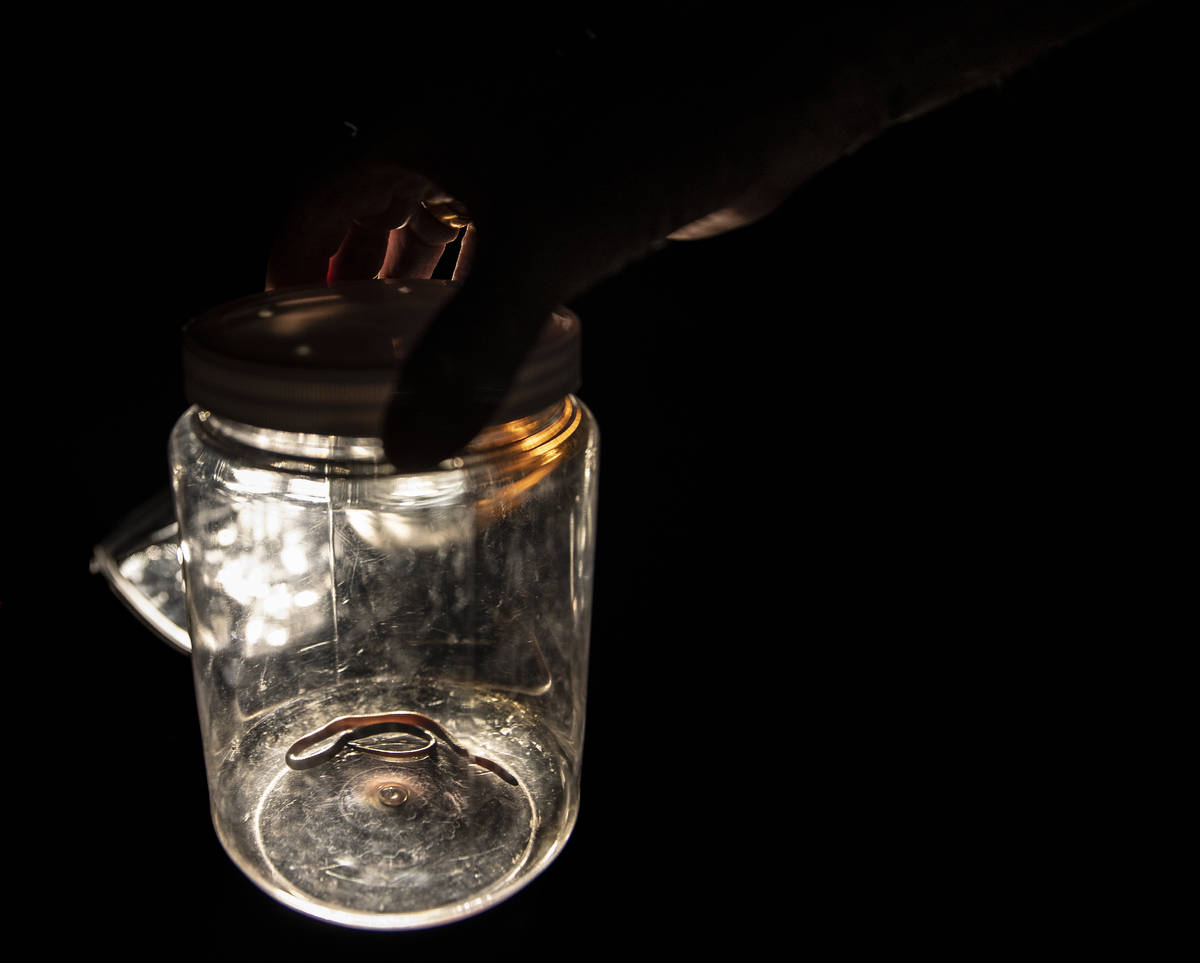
140	562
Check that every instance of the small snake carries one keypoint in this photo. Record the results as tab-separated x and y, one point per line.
355	727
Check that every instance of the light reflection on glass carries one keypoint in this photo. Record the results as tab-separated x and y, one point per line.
272	565
419	531
293	557
304	598
308	489
253	481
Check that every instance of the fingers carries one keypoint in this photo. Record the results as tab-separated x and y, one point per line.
365	229
466	254
359	256
310	238
414	250
340	231
366	241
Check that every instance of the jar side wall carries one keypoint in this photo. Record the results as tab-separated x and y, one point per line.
472	586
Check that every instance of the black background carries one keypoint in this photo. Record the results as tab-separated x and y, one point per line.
844	451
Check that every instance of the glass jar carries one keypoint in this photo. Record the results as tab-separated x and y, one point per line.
390	669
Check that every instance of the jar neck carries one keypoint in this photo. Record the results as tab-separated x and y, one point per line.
514	437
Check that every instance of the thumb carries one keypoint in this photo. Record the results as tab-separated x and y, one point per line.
458	374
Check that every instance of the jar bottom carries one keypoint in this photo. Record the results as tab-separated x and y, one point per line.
377	843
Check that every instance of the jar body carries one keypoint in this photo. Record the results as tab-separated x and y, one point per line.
445	614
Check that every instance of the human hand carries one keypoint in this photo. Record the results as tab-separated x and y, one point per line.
571	167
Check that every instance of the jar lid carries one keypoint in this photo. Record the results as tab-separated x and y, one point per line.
323	360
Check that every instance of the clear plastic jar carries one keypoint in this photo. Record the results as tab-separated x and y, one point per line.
390	668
